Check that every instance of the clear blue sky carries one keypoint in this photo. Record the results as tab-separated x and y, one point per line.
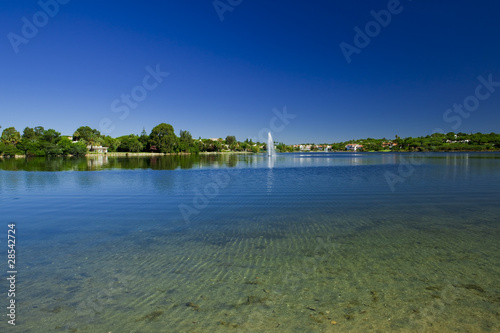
226	76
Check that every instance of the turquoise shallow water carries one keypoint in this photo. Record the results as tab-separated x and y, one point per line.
301	242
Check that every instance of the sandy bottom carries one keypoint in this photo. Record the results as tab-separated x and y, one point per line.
379	272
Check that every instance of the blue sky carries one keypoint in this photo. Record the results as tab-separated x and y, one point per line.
225	77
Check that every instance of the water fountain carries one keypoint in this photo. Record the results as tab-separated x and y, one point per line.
270	145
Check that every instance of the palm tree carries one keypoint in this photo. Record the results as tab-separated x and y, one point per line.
93	139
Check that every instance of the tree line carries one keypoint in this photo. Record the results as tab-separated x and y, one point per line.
38	141
435	142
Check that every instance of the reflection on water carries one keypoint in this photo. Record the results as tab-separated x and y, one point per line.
454	161
103	162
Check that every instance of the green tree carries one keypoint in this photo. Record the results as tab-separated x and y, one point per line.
217	146
34	148
130	143
163	137
200	144
39	131
10	136
230	139
398	141
29	134
65	145
187	144
371	145
245	146
86	133
111	143
451	136
78	149
185	137
234	146
478	138
135	145
51	149
9	150
144	138
93	140
51	136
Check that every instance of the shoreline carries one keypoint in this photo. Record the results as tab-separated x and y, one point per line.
165	154
143	154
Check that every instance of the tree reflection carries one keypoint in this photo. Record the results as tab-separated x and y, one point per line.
104	162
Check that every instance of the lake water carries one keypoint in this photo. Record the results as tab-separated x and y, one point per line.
326	242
